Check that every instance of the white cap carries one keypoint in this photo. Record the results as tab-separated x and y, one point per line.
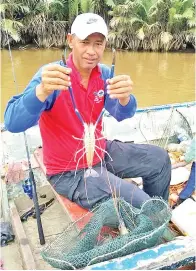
88	23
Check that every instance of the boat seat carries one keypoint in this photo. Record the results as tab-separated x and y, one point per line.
73	210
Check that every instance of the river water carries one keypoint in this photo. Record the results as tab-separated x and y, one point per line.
159	78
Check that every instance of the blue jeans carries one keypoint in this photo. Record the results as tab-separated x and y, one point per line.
129	161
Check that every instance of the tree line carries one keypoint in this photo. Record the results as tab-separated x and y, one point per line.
150	25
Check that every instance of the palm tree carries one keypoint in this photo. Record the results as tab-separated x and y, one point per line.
45	24
132	22
11	25
151	24
100	7
181	21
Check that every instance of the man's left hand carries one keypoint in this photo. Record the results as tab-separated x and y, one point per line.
120	87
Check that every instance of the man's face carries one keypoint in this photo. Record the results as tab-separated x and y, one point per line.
87	53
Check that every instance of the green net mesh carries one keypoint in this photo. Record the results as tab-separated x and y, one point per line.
99	240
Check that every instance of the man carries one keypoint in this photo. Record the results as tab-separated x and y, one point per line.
46	99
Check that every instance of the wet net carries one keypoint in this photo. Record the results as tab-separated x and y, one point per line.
166	126
99	240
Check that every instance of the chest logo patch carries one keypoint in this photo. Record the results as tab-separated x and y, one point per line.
99	96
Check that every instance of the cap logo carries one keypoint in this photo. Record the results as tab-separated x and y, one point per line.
92	20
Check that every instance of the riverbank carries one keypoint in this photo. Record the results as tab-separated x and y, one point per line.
31	46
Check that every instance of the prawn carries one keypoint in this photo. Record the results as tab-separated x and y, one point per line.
90	148
89	141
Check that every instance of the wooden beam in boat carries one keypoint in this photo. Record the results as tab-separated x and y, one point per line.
26	253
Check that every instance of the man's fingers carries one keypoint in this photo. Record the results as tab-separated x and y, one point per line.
54	77
51	88
118	78
121	84
120	96
57	67
57	81
55	74
120	90
60	87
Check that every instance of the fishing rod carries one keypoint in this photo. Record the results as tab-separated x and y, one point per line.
34	194
31	174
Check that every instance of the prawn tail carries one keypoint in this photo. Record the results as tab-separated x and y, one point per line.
91	173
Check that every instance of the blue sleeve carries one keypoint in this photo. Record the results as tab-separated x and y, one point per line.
118	111
23	111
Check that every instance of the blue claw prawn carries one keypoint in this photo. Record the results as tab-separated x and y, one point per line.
89	140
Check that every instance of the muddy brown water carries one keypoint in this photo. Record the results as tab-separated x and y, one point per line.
159	78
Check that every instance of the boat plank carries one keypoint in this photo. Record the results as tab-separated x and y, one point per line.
26	253
169	256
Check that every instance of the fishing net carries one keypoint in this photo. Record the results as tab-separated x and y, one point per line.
166	126
92	244
158	125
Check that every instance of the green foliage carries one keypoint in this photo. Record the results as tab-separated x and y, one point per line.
152	24
133	24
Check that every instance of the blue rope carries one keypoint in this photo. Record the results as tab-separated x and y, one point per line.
166	106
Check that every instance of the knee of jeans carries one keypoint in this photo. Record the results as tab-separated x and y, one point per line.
161	160
164	160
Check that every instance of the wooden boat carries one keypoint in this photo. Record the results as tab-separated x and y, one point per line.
138	129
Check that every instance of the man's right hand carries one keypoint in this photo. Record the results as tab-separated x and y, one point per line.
54	77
